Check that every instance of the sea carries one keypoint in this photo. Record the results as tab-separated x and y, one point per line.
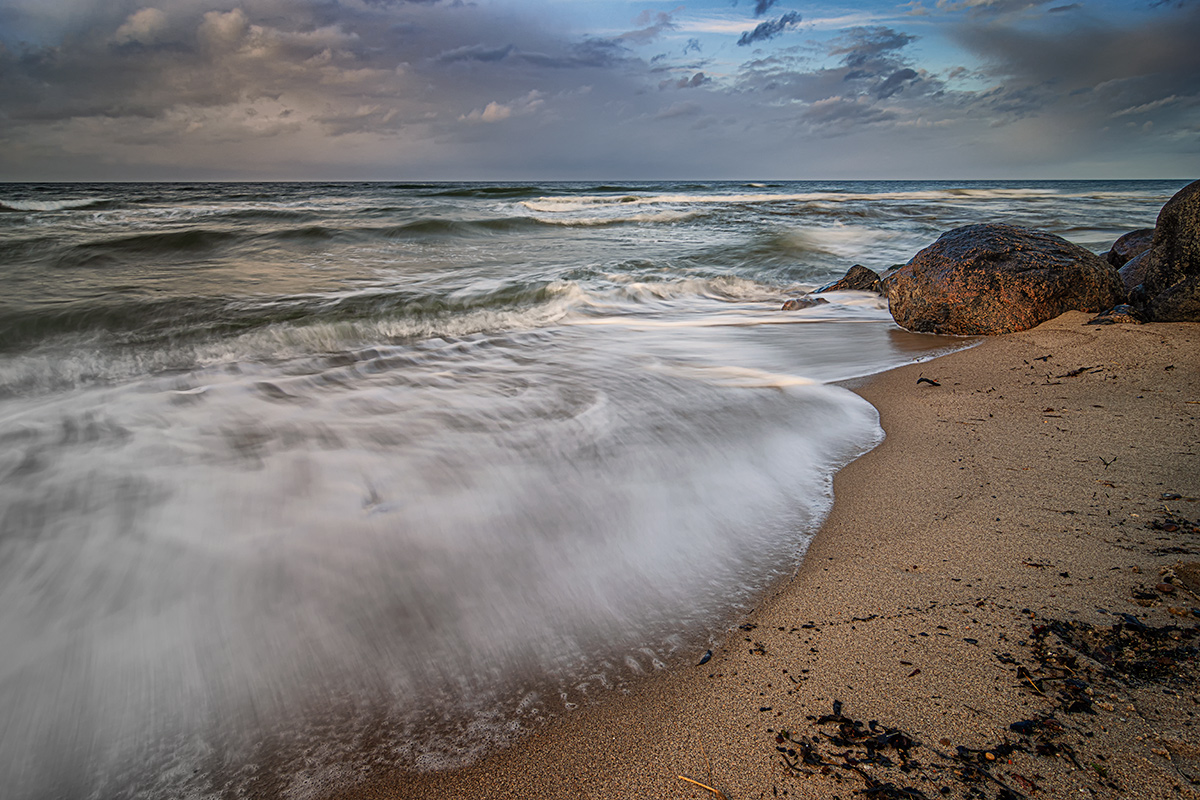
301	479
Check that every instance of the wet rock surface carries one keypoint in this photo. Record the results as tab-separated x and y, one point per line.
800	303
857	279
1172	279
994	279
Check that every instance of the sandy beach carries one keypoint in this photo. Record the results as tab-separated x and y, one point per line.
991	605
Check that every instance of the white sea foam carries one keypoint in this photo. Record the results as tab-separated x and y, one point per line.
50	205
425	531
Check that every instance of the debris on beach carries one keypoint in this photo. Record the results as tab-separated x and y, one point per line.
885	759
1127	650
1075	669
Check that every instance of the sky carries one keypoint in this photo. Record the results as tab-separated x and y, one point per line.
598	89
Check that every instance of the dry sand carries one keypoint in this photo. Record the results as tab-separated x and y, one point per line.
1022	489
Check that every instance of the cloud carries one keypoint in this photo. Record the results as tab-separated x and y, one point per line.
895	83
653	26
1090	72
476	52
769	30
861	45
452	89
697	80
143	27
762	6
1145	108
498	112
223	30
686	109
989	7
839	114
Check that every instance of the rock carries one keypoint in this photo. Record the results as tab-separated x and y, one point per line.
1123	313
1129	246
857	279
797	303
1134	271
991	279
1171	288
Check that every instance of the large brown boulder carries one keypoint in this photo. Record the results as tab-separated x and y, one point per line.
1130	246
990	279
1171	287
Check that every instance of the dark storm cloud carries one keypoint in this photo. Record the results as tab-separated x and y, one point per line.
1091	72
769	30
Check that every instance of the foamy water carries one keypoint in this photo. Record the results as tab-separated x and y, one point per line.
301	479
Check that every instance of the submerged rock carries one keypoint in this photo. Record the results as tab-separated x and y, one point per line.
1130	246
857	279
1171	287
992	278
798	303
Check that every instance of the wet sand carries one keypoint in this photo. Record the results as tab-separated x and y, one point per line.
1034	485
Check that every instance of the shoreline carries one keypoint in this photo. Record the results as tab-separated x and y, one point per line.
1018	493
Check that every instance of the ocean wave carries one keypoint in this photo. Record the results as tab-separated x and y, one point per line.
575	203
499	191
70	348
392	313
113	338
443	227
80	204
624	219
642	288
261	214
189	240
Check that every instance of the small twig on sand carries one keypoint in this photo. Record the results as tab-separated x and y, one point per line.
720	795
